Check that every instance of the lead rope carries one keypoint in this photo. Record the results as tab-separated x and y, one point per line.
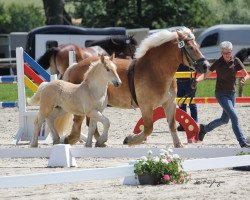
193	81
190	94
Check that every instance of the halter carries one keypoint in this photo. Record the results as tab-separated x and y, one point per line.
192	63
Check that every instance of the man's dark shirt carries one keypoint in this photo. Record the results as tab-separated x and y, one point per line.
226	74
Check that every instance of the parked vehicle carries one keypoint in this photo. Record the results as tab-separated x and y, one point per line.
41	38
210	39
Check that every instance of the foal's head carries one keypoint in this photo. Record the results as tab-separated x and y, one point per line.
192	55
108	70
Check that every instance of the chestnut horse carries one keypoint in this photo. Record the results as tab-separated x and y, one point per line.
57	58
151	82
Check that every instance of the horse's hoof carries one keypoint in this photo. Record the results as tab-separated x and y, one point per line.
66	140
56	142
133	140
125	140
129	141
178	145
88	145
100	145
33	144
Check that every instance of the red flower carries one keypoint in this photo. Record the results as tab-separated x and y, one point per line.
166	177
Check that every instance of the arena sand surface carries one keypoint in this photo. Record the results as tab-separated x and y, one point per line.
229	184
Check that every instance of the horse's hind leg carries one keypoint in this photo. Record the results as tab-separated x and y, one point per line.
75	131
170	109
51	123
37	126
134	139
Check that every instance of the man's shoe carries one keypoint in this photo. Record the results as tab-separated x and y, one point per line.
180	128
202	132
246	145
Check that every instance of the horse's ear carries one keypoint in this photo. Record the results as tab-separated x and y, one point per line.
112	56
102	58
180	35
192	29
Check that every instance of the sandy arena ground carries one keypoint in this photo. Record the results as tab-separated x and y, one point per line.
229	184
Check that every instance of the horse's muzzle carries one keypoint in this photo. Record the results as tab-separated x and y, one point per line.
201	65
116	83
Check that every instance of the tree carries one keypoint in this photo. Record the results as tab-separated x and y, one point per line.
53	11
141	13
16	17
56	14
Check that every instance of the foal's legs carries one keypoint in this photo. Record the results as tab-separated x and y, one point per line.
96	134
147	115
37	126
99	117
51	120
92	128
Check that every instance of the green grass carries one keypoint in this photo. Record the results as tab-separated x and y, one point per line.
206	88
8	92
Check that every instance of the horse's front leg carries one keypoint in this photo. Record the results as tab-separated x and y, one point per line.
147	116
96	134
92	127
99	117
170	109
75	131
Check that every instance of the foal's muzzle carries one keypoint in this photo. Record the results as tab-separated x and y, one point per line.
116	83
201	65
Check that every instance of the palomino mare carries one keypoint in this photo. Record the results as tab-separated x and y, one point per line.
148	80
88	98
57	58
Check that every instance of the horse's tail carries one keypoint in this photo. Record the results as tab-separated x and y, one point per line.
79	54
44	60
35	99
62	123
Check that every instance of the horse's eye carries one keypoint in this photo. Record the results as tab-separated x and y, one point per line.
107	69
190	47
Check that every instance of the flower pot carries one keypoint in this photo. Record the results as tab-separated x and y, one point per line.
243	168
149	179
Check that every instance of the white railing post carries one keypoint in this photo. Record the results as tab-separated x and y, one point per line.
21	93
72	57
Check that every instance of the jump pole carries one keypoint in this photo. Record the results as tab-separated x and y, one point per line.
27	117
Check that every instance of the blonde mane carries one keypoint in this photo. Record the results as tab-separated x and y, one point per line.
92	68
158	39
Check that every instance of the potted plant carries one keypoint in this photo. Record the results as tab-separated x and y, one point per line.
163	169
